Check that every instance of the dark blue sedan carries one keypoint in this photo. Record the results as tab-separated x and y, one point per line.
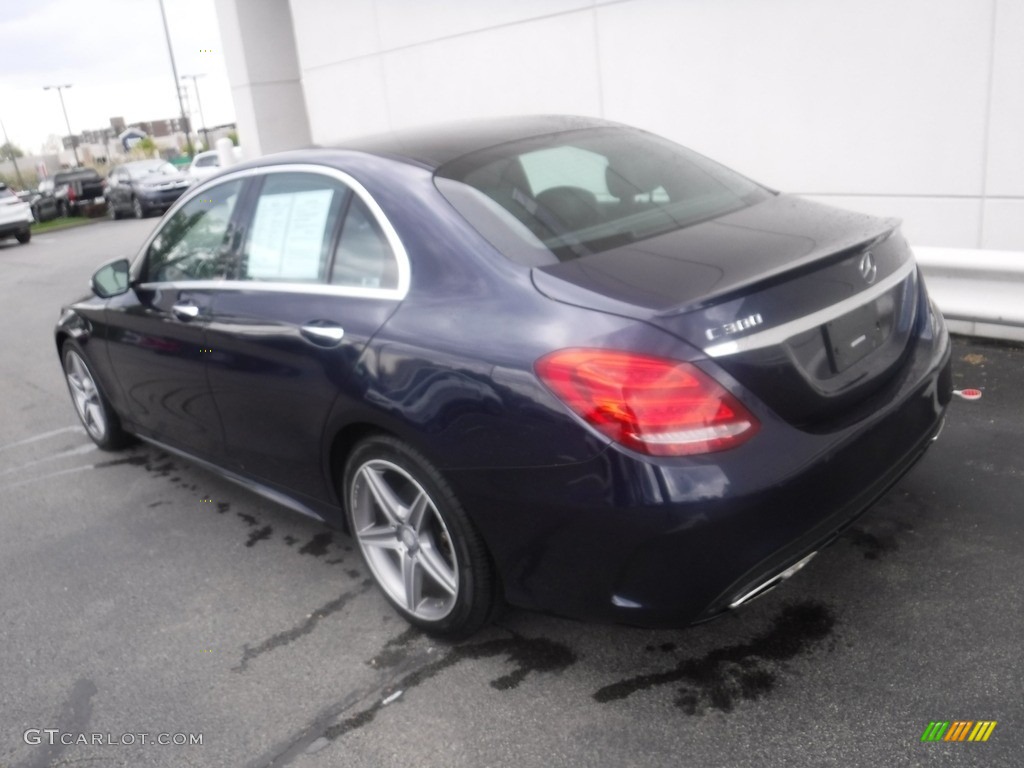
556	362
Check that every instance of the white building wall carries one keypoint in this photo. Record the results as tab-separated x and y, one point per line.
911	108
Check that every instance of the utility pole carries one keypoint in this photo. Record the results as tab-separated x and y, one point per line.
74	142
199	103
174	71
17	170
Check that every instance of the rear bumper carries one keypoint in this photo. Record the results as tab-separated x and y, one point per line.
629	539
12	228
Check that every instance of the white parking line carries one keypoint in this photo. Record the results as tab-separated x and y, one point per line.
43	436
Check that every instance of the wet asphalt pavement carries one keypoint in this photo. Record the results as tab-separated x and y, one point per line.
143	595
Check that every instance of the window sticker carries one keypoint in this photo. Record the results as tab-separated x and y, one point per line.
288	235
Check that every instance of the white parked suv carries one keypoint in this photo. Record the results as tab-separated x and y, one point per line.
15	215
206	164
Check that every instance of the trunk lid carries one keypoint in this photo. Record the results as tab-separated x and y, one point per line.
809	307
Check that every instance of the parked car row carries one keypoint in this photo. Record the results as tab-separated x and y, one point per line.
137	189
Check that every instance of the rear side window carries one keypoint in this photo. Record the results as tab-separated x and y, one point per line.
364	257
292	228
576	193
311	228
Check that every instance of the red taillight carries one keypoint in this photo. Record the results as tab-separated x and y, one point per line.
650	404
71	194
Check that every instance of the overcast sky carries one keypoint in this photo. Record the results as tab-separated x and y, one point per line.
114	54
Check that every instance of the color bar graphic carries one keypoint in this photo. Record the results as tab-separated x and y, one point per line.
958	730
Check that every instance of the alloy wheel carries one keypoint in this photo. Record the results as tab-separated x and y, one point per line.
404	540
85	395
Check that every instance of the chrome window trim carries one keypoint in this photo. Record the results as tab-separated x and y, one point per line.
401	256
268	286
772	336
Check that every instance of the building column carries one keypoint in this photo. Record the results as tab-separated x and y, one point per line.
258	41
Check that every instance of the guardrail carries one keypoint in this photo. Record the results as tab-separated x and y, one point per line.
980	293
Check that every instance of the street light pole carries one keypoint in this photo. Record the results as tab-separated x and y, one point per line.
17	170
174	71
60	92
199	103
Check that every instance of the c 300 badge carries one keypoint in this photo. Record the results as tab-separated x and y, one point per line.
743	324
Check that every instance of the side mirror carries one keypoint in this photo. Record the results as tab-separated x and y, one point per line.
110	279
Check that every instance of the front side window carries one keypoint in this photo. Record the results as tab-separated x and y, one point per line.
576	193
194	243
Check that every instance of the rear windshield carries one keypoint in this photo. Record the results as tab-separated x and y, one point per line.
86	174
571	194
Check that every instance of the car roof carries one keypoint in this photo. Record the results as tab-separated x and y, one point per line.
433	146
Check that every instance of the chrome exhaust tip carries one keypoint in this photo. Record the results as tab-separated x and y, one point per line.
769	584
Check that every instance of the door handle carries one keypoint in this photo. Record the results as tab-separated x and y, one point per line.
185	311
323	334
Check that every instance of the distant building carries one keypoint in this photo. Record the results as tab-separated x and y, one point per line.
103	146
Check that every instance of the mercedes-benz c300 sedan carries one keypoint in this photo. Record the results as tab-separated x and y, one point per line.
555	362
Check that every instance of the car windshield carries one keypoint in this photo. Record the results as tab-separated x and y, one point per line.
576	193
155	167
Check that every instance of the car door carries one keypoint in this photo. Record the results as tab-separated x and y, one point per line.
157	331
320	270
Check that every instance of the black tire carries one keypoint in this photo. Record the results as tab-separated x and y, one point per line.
112	213
101	423
440	542
24	237
137	209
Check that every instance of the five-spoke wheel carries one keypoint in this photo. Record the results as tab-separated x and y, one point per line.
416	540
92	407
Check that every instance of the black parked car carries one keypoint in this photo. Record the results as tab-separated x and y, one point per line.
78	192
143	187
553	361
74	192
44	204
